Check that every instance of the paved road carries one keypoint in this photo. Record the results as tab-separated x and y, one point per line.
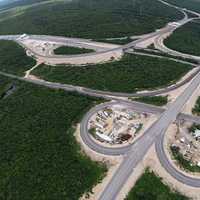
140	94
139	149
139	107
106	94
177	174
148	138
159	40
161	46
148	53
135	153
90	44
82	42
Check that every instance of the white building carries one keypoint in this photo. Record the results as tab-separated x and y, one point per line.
104	137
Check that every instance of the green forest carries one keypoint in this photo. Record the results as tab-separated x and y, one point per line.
66	50
150	187
194	5
154	100
16	61
130	74
186	39
182	162
40	158
93	19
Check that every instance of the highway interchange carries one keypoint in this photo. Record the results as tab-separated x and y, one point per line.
140	148
134	153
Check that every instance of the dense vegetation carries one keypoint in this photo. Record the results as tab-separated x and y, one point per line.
65	50
182	162
13	58
194	127
196	109
166	55
40	158
92	18
194	5
186	39
132	73
154	100
150	187
12	9
4	85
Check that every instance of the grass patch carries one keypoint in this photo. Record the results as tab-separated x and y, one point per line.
150	187
154	100
92	19
186	39
132	73
65	50
40	158
13	58
182	162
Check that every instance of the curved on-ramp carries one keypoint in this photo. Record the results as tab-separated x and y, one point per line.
168	166
114	151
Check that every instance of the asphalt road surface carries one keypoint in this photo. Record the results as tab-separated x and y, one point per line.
138	107
134	153
139	149
177	174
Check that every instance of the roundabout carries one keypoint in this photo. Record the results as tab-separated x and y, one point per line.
119	127
113	149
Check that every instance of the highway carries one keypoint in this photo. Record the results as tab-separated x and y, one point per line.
140	148
136	106
99	47
149	53
134	153
161	46
168	166
106	94
98	93
148	138
139	107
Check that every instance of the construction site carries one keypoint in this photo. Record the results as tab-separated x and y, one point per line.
185	143
116	124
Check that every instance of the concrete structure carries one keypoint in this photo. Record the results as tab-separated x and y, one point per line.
134	153
116	124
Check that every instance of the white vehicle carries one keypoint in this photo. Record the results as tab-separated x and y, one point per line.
24	36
